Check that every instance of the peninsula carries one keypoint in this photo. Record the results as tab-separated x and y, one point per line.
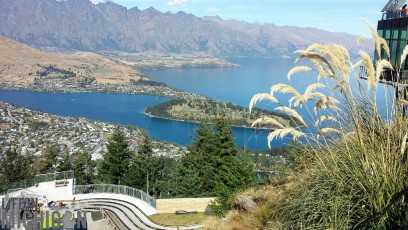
207	110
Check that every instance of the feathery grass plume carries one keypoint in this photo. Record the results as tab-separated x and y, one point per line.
404	143
343	88
324	118
323	49
315	94
326	102
291	112
374	33
385	46
404	56
361	40
260	97
318	57
329	130
310	88
308	95
357	64
380	66
298	69
402	102
281	133
341	54
320	69
368	64
267	120
284	88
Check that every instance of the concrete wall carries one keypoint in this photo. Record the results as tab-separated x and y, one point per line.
186	204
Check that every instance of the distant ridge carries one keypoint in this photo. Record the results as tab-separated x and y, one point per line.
82	25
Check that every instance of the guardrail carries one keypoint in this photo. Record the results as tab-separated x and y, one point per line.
36	180
393	15
115	189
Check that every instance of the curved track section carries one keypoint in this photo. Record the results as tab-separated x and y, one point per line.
127	213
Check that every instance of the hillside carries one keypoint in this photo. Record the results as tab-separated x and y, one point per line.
21	64
82	25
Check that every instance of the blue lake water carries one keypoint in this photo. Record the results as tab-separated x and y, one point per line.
236	85
121	109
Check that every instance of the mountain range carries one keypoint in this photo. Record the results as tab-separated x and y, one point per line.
83	26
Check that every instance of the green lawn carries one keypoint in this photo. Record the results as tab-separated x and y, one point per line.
171	219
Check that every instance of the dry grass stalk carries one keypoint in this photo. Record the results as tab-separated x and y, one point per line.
267	120
260	97
281	133
324	118
298	69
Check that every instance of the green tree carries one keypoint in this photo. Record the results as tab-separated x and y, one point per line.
65	164
47	162
202	160
146	170
234	171
13	167
115	162
84	168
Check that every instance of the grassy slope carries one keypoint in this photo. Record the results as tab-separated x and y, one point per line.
19	64
171	219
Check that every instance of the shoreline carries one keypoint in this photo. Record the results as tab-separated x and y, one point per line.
140	94
197	122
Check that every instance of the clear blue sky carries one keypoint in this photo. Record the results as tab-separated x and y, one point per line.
334	15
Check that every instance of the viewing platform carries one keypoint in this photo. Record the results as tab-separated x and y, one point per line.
121	206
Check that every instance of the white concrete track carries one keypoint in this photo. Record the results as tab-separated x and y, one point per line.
129	214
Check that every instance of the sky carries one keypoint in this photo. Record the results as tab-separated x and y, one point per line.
335	15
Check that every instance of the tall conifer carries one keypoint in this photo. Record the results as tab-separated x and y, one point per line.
115	162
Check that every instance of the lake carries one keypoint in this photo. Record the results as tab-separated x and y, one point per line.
236	85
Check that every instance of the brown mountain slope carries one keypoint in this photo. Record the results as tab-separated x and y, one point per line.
20	63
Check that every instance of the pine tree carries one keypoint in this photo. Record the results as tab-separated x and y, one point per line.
13	167
234	172
146	170
201	160
65	164
115	162
84	168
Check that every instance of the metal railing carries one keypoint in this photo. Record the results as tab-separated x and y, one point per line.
36	180
393	14
115	189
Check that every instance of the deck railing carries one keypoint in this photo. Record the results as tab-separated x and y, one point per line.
115	189
36	180
393	15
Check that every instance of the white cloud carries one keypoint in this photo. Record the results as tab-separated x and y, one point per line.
213	10
176	2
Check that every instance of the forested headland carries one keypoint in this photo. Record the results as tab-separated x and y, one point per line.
208	110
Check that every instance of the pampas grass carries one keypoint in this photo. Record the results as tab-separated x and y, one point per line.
349	169
267	120
260	97
298	69
354	173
